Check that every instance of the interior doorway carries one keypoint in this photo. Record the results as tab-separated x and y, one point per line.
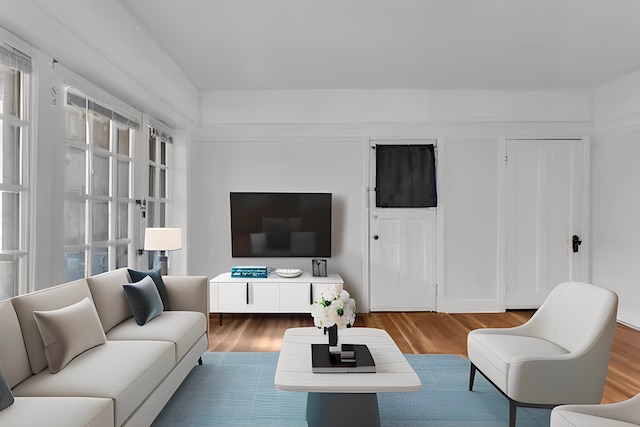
546	217
402	225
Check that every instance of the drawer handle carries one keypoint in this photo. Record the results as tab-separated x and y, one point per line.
311	293
247	289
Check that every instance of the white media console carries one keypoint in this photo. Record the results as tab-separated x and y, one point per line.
274	294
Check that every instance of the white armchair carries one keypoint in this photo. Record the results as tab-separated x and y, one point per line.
560	356
620	414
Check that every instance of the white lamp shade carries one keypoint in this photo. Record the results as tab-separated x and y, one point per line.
162	239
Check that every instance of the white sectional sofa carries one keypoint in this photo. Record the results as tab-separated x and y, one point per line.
127	374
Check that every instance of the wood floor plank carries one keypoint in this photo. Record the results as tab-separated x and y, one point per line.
421	333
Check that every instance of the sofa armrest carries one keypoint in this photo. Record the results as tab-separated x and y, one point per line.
188	293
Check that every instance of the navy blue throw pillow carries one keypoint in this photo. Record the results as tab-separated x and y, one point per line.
136	276
144	300
6	397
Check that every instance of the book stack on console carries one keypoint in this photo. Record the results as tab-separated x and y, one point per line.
250	271
352	358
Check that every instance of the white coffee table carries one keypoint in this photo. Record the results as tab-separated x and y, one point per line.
343	399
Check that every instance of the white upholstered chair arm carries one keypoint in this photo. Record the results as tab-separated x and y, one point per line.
611	414
554	379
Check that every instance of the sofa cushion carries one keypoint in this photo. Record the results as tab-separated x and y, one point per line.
136	276
125	371
6	397
47	299
13	354
183	328
69	331
109	297
59	412
144	300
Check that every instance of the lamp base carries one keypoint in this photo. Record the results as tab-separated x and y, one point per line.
163	260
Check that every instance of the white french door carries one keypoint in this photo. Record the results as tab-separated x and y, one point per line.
546	217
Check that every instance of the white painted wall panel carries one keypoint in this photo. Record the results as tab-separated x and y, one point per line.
288	164
468	198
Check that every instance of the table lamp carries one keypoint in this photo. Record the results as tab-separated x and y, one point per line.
162	239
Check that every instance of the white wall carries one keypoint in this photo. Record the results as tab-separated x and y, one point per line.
312	141
287	164
103	43
616	193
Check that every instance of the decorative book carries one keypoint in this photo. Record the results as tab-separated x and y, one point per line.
323	361
256	272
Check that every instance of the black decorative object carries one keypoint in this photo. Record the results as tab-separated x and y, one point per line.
319	267
333	335
405	176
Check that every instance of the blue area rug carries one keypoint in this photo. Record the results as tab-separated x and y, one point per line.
236	389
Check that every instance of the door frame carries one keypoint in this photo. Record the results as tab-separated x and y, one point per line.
368	195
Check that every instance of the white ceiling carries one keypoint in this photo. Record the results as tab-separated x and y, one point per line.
396	44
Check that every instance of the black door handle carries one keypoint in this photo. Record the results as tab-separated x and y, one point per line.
575	242
376	237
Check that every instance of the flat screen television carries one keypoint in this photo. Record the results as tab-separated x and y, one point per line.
280	224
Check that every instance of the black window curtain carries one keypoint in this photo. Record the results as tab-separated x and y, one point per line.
405	176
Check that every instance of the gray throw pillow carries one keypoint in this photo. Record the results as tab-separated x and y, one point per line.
68	332
6	397
136	276
144	300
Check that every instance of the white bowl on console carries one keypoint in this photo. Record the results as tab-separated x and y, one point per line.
288	272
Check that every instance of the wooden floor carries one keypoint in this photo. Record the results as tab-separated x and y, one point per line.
422	333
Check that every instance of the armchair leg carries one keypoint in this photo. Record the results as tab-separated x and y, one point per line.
512	413
472	376
200	361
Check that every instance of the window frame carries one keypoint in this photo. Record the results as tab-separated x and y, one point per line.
18	256
118	245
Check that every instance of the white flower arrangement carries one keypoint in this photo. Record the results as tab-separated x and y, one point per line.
334	308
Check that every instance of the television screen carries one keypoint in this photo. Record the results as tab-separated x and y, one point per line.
280	224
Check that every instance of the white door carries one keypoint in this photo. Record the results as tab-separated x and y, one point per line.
546	206
402	255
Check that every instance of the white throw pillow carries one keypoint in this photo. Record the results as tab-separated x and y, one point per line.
68	332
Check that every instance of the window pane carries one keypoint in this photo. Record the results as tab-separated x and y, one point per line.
75	124
10	155
123	179
151	259
100	175
122	256
75	171
74	223
8	91
152	148
10	211
8	277
75	265
163	214
151	214
123	141
163	183
100	126
100	221
123	221
152	181
163	153
99	260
